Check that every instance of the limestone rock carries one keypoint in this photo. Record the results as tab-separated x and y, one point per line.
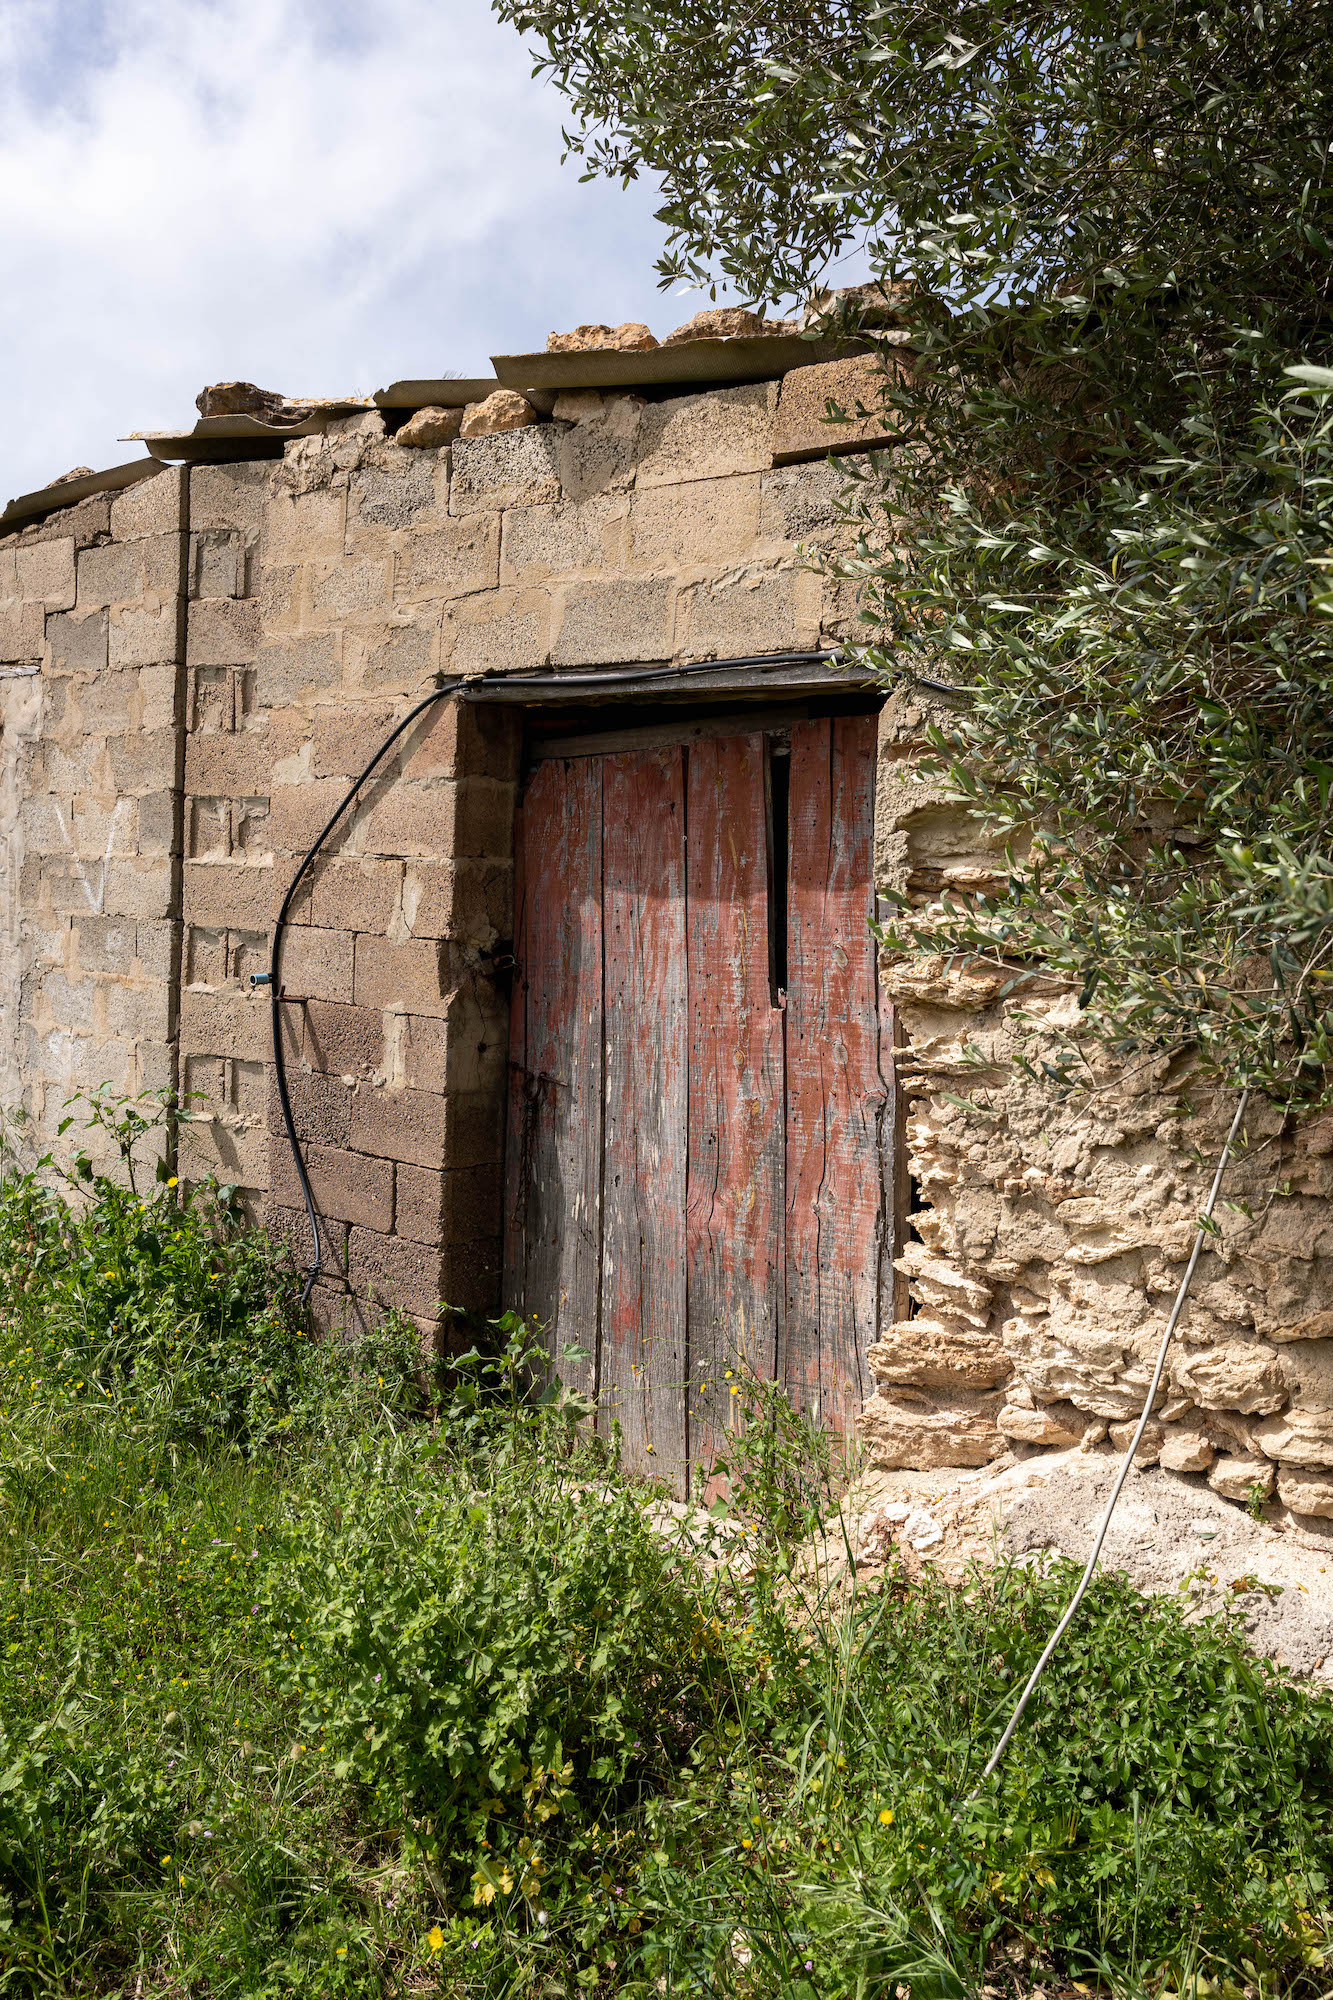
726	323
1298	1437
578	406
432	426
1234	1474
927	1353
1059	1425
75	472
1185	1448
1247	1379
630	337
939	1283
1150	1445
505	410
872	305
1305	1492
925	1431
1319	1326
243	399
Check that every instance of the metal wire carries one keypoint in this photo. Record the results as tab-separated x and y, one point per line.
1086	1578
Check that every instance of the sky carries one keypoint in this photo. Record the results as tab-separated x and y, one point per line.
320	196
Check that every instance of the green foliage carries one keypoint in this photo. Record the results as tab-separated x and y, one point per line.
151	1299
404	1688
1104	237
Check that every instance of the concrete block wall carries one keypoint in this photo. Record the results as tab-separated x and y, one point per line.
91	648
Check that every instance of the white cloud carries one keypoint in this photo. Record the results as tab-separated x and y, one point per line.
303	194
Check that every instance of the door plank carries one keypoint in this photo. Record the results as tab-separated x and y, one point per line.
553	1173
643	1237
733	1211
838	1102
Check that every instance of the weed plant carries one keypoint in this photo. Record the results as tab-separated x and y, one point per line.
322	1675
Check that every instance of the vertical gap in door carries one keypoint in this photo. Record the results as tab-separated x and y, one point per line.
687	1479
600	767
777	838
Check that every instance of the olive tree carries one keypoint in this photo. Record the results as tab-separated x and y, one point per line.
1105	232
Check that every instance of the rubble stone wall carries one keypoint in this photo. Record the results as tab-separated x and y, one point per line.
1049	1235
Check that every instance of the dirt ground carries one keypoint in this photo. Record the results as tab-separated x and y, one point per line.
1170	1533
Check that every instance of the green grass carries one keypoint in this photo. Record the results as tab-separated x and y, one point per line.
317	1679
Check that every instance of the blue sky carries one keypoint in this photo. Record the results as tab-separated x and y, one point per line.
315	196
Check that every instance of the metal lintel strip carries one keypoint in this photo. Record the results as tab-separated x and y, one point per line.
758	676
740	358
68	492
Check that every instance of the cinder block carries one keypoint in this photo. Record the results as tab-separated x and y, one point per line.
464	739
290	1228
155	506
343	1041
800	503
597	623
78	642
229	496
564	538
106	944
159	825
321	1107
278	590
304	527
470	1276
423	1052
112	574
346	1186
470	901
141	635
451	560
221	631
345	738
497	632
205	956
342	588
203	1085
217	563
138	887
228	1024
842	600
289	670
156	943
512	469
234	1154
22	631
397	657
382	498
395	1124
707	436
221	763
700	524
208	828
404	976
355	895
391	1268
419	1203
760	611
227	893
802	428
136	1013
297	812
111	703
144	761
409	818
599	457
474	1129
45	573
317	964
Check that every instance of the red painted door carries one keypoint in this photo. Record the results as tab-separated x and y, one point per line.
699	1137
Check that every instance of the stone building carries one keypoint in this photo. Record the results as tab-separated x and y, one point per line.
581	1008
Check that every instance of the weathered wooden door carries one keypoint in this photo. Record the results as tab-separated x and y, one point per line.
699	1140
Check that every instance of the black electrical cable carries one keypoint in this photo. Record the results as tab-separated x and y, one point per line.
474	688
275	972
